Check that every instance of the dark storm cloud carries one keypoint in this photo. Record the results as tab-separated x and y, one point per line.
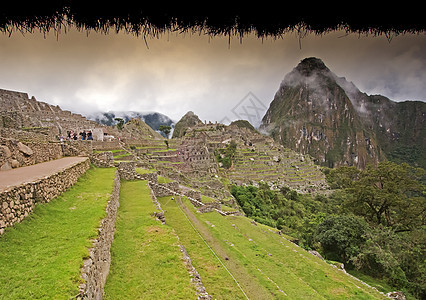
177	73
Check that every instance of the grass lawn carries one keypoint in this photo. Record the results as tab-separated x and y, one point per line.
145	171
41	257
146	258
214	276
280	264
266	264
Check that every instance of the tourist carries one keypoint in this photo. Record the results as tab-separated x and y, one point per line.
89	136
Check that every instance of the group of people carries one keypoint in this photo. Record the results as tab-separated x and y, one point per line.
72	135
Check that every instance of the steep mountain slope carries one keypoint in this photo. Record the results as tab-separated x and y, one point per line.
317	113
138	129
188	120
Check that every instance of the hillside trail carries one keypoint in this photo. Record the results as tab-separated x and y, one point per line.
18	176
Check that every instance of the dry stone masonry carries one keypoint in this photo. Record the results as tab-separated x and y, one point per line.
96	268
103	159
18	202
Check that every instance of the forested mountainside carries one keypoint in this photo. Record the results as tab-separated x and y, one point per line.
318	113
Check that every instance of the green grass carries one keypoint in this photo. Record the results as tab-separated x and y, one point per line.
214	276
145	171
41	257
113	151
263	262
146	259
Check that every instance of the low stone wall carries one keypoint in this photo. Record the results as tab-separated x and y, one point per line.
152	177
193	194
106	145
14	153
127	170
208	207
165	189
96	268
18	202
102	160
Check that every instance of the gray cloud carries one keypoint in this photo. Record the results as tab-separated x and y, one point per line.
178	73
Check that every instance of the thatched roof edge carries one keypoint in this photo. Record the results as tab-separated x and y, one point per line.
140	19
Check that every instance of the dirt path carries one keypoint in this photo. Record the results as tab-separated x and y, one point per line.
21	175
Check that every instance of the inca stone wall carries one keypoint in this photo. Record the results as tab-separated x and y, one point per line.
193	194
105	145
18	202
127	170
210	206
96	268
14	153
19	112
165	189
103	159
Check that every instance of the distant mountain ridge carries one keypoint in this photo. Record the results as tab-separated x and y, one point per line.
318	113
152	119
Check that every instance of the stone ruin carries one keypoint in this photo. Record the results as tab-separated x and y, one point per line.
103	159
39	120
18	202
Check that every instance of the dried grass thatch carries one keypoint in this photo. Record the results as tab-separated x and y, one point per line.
265	20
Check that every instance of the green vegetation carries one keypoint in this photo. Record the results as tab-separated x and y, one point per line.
226	156
374	222
166	130
214	277
412	155
146	258
265	264
120	123
243	124
42	256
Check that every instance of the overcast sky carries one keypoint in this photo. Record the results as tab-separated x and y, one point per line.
176	73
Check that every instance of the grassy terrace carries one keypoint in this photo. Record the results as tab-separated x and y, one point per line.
214	276
41	257
146	259
266	265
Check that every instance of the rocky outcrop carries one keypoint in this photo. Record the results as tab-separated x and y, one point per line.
18	202
396	295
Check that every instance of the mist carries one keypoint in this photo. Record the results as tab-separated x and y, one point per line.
210	76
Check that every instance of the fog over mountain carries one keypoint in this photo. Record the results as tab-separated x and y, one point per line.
172	74
152	119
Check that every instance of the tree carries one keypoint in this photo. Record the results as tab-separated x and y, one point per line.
390	194
341	237
120	123
165	129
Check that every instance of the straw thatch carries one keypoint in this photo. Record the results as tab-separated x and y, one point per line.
210	18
